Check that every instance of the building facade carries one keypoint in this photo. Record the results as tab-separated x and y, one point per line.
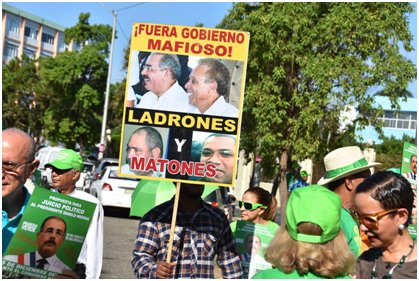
24	33
396	124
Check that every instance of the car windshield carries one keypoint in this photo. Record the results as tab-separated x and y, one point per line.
113	174
87	167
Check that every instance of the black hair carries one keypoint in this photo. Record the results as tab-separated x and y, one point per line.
390	189
56	218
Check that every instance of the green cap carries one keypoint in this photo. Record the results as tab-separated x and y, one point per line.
67	159
303	174
315	204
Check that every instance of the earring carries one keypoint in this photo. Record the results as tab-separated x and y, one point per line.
401	227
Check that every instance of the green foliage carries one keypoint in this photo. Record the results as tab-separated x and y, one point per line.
307	62
22	106
390	152
84	34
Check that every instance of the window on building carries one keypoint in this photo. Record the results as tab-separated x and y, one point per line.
31	32
29	53
10	52
48	38
401	120
14	26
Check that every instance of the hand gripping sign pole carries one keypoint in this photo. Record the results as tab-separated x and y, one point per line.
173	225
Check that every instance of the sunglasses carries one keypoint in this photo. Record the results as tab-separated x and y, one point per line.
371	221
59	171
250	206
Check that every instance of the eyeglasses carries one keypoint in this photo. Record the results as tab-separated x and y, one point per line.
223	153
11	167
250	206
149	68
51	230
59	171
371	221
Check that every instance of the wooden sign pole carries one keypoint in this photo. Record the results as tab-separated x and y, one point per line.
173	225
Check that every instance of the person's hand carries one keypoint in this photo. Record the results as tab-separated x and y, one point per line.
67	274
164	269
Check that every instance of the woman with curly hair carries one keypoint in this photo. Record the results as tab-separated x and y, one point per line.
312	244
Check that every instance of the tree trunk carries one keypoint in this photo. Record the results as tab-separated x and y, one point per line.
283	185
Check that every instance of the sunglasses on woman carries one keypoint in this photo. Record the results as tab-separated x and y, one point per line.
250	206
371	221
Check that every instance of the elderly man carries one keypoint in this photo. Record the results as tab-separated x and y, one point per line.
18	164
144	142
49	239
219	149
66	169
346	168
160	73
209	85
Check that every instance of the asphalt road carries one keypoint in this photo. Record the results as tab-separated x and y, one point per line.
119	237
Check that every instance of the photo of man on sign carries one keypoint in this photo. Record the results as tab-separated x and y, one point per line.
49	239
194	78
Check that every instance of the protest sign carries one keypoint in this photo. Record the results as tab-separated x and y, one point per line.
409	161
251	239
50	235
185	89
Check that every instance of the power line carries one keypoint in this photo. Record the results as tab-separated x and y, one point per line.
129	7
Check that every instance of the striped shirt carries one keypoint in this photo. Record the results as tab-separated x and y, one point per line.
198	239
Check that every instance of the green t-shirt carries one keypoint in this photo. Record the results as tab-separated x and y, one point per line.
271	226
351	231
275	273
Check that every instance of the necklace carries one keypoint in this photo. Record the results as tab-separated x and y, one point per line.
390	272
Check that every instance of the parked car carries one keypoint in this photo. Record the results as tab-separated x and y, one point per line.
103	163
227	204
97	169
88	168
111	190
46	155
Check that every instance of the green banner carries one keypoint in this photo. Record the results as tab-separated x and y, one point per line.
251	239
50	235
408	169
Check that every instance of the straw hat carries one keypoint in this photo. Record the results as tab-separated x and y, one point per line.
343	162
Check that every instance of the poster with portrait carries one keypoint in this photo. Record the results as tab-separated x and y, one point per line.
409	162
251	239
184	98
49	237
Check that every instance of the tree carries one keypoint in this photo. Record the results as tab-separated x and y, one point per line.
75	83
390	152
307	62
22	106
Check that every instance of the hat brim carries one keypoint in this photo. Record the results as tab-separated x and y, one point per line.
61	166
324	181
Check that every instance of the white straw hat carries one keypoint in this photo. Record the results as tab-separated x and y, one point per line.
343	162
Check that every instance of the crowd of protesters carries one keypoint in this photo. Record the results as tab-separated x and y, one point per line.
351	224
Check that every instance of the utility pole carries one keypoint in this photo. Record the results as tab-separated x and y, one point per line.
102	143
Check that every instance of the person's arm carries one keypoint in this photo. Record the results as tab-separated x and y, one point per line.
94	243
227	257
145	249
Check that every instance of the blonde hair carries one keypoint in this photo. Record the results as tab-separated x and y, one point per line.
330	259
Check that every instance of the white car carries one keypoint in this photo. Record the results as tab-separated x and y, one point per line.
111	190
88	168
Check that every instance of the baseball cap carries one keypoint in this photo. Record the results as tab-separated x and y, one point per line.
303	174
315	204
67	159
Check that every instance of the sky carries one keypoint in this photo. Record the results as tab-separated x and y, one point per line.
175	13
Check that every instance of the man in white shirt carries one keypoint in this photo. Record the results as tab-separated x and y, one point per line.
160	73
209	86
66	169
